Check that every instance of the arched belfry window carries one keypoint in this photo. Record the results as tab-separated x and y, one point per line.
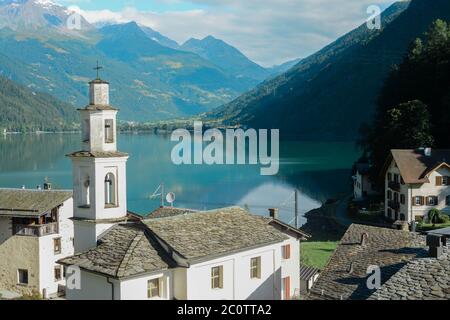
85	193
110	190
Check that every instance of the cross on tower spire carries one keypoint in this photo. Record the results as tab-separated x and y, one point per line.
98	68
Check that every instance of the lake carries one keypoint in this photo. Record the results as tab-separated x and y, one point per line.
319	170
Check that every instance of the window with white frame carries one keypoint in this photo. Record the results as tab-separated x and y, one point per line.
154	288
255	268
217	277
432	201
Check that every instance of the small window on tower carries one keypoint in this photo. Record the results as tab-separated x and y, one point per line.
86	130
109	131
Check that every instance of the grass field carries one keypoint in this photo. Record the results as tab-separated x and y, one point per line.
317	253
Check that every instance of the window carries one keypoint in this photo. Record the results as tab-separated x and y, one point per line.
23	276
418	201
153	288
445	181
110	190
57	246
389	195
85	194
402	199
86	130
432	201
217	277
287	288
447	200
255	268
389	176
396	178
109	131
58	273
287	251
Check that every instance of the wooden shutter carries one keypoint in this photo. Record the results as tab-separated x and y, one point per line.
287	251
422	201
438	180
287	288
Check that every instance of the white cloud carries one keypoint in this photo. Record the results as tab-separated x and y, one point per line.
268	31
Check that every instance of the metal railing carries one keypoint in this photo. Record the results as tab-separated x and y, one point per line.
36	230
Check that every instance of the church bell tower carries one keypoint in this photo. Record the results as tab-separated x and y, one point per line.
99	170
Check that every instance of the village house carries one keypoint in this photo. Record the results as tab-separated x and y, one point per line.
174	254
362	184
416	181
410	267
35	232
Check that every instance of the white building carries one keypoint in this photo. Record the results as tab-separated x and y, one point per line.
222	254
362	185
35	232
416	181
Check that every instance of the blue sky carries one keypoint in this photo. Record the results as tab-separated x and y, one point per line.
267	31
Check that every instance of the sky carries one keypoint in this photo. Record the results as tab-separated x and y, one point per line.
269	32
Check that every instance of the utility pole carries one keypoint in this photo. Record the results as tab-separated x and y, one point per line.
296	208
162	195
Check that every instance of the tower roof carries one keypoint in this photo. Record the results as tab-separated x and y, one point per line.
97	107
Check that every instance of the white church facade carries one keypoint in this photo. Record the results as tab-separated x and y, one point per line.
104	252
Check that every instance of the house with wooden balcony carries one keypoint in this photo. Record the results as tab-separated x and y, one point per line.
36	230
416	181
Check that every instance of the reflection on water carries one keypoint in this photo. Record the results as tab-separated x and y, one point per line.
319	170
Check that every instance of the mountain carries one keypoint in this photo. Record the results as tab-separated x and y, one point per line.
26	15
331	93
149	80
279	69
158	37
22	109
226	57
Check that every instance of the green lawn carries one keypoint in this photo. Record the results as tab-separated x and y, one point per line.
428	226
317	253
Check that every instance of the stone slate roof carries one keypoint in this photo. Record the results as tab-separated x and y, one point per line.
30	203
164	212
200	235
98	154
345	275
307	273
123	251
423	278
414	166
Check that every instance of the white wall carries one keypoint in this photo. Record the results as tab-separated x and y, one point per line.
237	284
136	288
94	287
47	257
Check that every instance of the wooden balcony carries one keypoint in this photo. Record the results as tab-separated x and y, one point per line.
394	204
39	230
394	186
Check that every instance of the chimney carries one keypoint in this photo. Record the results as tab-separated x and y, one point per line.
427	152
274	213
435	243
364	238
47	186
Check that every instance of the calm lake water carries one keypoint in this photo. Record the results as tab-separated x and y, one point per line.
319	170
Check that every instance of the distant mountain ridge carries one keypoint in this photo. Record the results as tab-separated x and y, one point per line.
331	93
22	109
151	77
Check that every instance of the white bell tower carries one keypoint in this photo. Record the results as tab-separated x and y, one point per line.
99	170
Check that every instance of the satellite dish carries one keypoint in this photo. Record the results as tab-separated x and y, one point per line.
170	198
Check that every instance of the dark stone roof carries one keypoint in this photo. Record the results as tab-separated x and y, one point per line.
123	251
362	168
199	235
423	278
30	203
389	249
98	154
165	212
307	273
